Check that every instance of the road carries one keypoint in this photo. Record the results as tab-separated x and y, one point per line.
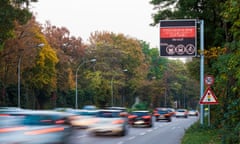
161	133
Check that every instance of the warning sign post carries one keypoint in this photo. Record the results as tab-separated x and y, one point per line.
208	97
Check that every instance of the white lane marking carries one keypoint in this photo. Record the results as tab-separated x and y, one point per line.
133	137
120	142
81	136
143	133
149	130
173	128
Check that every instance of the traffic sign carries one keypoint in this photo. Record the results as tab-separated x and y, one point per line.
178	37
208	97
208	80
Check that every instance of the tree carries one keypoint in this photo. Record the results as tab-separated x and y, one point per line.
115	53
221	54
11	12
38	73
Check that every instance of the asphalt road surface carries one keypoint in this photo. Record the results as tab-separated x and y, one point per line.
161	133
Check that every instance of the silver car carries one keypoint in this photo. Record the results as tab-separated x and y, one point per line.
34	127
109	122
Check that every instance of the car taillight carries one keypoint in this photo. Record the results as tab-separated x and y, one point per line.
118	122
45	131
132	116
4	115
167	115
146	117
156	114
11	129
59	121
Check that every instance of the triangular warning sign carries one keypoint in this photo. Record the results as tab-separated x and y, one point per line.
208	97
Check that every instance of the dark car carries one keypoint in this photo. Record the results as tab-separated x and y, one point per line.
163	114
140	118
34	127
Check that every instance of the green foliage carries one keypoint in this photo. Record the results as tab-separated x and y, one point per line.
12	11
222	32
141	106
201	134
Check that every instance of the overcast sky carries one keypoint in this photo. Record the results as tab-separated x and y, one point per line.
82	17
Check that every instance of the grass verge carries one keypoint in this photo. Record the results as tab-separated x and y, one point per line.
201	134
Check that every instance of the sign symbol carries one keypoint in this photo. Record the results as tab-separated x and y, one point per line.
209	80
180	49
170	49
190	49
208	97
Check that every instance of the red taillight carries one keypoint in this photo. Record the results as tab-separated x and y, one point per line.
167	115
146	117
60	122
118	122
4	115
46	121
156	114
45	131
132	116
11	129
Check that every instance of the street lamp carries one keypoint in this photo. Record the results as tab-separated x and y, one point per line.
19	75
76	95
125	70
124	96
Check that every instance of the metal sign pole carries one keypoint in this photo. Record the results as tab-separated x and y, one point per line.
201	68
209	118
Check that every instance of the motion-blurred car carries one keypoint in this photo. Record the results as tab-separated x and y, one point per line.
181	113
109	122
140	118
34	127
83	118
193	113
172	111
163	114
123	110
89	107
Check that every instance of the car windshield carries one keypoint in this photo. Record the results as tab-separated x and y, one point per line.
40	119
86	113
162	111
108	114
181	110
140	113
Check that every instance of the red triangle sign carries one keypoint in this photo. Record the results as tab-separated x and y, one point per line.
208	97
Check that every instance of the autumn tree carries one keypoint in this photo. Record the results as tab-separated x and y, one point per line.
11	12
70	51
119	60
37	72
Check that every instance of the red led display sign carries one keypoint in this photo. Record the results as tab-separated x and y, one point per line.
178	37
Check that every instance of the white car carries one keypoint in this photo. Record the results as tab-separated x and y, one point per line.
109	122
181	113
83	118
193	113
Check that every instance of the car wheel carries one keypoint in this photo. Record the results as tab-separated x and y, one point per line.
124	131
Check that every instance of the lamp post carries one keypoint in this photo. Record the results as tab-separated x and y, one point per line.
19	75
125	70
123	98
76	95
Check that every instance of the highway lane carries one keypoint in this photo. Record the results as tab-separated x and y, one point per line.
161	133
